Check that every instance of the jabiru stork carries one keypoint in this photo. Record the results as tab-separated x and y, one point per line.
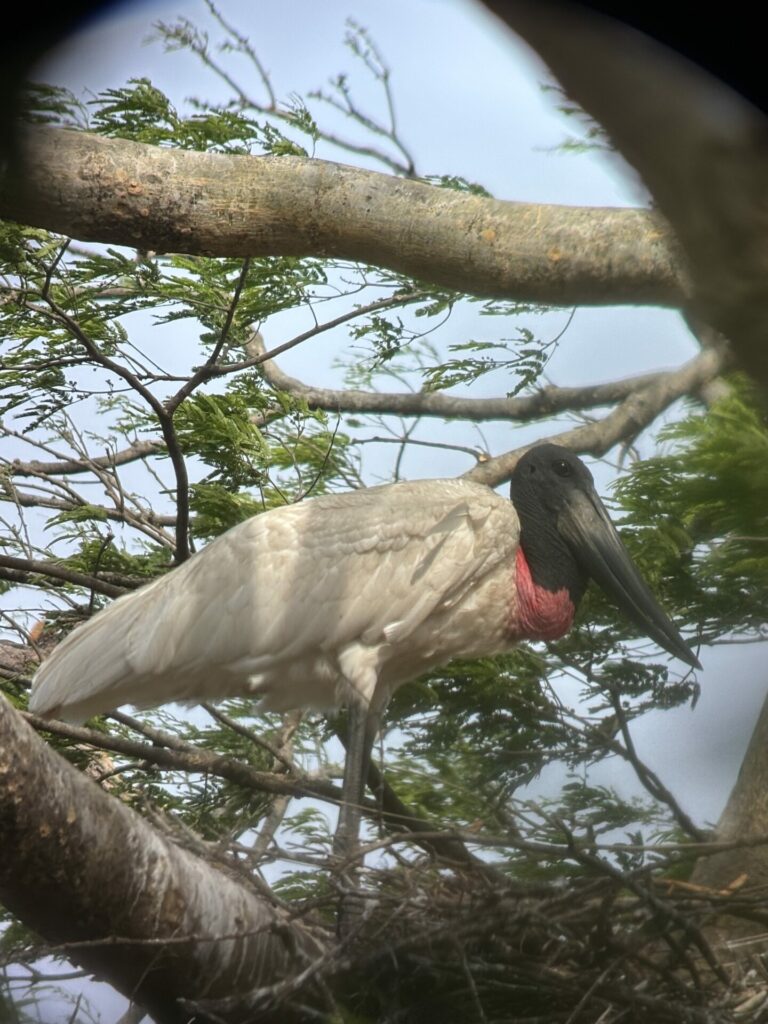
343	598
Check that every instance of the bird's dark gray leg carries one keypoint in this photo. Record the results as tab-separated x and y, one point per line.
362	726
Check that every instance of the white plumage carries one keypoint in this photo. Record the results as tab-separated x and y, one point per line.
339	598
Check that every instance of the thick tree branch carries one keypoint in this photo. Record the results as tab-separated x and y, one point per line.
150	197
157	922
701	149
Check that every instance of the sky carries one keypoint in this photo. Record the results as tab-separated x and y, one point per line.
470	102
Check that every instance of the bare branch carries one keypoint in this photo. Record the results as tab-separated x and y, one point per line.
165	419
66	467
151	525
172	753
258	354
24	569
183	33
546	401
623	424
249	734
648	778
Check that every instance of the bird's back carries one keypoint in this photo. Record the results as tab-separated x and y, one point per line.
302	604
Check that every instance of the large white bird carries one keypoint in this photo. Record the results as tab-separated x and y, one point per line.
343	598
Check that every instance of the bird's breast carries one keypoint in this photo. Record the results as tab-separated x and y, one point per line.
539	614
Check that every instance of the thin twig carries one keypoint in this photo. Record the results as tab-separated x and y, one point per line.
164	420
210	368
249	734
648	778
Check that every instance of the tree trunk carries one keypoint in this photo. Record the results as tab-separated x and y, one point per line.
157	922
745	816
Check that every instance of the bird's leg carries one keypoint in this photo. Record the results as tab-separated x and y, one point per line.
362	727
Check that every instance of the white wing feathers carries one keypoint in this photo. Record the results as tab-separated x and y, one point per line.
451	559
287	601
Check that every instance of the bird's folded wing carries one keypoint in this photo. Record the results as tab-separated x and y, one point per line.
286	586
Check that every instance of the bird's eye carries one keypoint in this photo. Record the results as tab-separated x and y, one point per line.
561	467
531	469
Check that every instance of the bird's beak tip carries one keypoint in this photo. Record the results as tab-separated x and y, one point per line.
600	550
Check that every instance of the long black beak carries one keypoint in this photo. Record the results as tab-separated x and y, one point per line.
597	547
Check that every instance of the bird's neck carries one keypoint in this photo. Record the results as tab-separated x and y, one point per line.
549	581
550	560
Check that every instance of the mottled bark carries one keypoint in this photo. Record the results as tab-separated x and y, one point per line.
80	867
119	192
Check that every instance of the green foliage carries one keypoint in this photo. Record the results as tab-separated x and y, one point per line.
388	334
384	333
101	554
703	506
489	719
220	430
289	458
216	508
592	136
52	104
524	363
201	289
142	113
457	184
51	310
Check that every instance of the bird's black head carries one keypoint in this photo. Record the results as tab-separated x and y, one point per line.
545	479
567	537
541	486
